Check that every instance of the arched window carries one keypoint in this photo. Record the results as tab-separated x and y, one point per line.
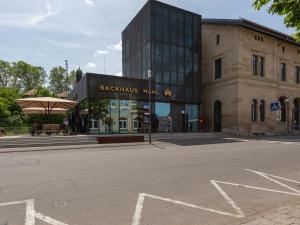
262	110
283	108
254	110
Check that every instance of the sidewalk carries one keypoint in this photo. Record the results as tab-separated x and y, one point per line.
284	216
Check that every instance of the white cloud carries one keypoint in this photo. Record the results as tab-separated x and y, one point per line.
120	74
117	47
27	20
89	2
91	65
101	52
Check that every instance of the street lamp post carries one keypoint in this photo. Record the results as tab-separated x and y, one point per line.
149	98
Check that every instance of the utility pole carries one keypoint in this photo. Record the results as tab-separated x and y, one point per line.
67	75
149	95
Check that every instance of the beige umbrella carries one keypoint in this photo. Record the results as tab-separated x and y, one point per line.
46	103
36	110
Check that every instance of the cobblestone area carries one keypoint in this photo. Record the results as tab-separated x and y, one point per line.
283	216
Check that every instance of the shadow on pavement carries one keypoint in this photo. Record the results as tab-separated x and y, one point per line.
201	141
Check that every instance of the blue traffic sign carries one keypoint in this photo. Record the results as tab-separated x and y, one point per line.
274	106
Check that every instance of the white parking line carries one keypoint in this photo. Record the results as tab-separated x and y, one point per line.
31	214
239	213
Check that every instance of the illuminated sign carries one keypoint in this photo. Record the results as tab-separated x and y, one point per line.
129	90
167	93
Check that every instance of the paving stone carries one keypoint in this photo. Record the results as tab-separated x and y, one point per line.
283	216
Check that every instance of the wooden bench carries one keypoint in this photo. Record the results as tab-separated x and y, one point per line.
49	129
120	139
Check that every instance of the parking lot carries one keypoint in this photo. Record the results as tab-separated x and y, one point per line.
173	182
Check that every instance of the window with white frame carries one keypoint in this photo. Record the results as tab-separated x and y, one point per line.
123	124
137	124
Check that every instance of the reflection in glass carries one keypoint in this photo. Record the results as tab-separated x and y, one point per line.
192	117
162	110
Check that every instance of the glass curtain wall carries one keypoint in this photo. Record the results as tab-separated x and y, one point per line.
162	114
113	116
192	117
175	38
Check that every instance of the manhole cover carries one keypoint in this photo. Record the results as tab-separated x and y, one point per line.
60	204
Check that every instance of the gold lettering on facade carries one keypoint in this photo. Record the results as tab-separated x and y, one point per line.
130	90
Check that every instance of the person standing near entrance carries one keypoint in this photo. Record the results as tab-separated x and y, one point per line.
169	124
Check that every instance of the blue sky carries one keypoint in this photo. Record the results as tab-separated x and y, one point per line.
88	32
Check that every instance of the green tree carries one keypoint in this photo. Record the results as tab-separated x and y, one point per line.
5	73
10	113
43	92
70	79
60	81
57	78
290	9
27	77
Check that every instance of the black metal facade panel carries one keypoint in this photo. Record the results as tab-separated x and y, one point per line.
167	41
113	87
136	45
80	91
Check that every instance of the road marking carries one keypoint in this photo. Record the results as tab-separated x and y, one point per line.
31	214
268	176
239	213
30	217
236	139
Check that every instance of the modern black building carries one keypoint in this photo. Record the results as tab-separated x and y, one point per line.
163	41
167	41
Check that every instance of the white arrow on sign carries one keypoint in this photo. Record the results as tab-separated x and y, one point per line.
31	214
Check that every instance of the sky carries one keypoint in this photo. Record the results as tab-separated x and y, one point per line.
88	32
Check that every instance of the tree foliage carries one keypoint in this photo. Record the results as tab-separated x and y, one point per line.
60	81
290	9
43	92
10	112
5	73
27	77
20	77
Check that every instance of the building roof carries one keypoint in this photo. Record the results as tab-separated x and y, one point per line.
29	93
253	26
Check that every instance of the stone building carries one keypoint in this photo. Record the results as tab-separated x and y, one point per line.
246	69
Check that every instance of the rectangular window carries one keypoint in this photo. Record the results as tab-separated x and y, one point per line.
218	69
298	74
218	39
258	65
283	72
123	124
137	124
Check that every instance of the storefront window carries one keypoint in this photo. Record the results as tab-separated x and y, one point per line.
123	123
192	117
113	121
162	111
111	116
137	124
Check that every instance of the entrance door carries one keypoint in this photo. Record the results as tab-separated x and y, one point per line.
296	115
217	116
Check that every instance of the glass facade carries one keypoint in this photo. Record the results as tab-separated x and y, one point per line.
171	49
113	116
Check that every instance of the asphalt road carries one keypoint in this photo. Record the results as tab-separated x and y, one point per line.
177	182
